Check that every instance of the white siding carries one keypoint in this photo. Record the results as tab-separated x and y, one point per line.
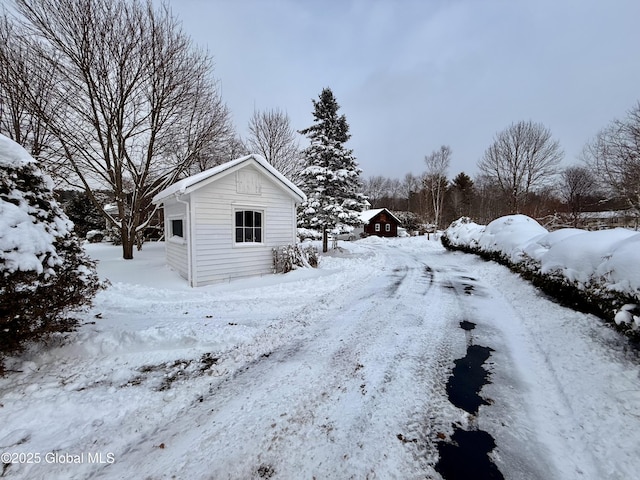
176	252
216	255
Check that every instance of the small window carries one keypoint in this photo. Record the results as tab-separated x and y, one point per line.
248	226
377	227
177	228
387	227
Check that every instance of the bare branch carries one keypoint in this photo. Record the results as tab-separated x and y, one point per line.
271	135
133	104
522	159
615	155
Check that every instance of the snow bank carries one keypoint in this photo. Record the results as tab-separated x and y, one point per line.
464	233
583	257
603	263
510	235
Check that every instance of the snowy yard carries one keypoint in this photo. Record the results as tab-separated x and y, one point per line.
338	372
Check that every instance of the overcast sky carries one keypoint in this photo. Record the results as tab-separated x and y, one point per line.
411	75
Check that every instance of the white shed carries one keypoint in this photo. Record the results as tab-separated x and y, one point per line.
224	222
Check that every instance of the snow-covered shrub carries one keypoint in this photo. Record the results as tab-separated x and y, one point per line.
462	233
308	234
44	272
510	235
95	236
596	272
628	316
290	257
113	235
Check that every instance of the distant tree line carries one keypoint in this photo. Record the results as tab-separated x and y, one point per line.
520	173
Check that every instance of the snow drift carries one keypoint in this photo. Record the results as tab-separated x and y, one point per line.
598	270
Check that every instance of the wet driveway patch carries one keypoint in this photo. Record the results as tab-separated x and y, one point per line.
466	456
469	375
467	325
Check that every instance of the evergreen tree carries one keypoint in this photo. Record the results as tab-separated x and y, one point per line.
461	196
44	273
82	211
331	177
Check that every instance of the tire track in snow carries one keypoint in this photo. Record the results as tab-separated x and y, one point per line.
359	370
520	445
435	419
364	400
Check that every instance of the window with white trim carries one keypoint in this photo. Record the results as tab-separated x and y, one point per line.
377	227
177	228
248	225
387	227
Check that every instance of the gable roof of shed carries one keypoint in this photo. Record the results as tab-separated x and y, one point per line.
367	215
194	182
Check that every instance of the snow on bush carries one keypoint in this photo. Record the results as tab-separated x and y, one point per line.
598	270
582	257
95	236
45	273
510	235
308	234
291	257
463	233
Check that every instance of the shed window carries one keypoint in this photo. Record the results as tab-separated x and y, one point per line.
177	228
387	227
377	227
248	226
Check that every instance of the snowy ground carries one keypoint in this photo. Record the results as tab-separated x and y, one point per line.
337	372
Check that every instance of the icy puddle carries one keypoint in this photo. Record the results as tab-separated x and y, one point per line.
465	455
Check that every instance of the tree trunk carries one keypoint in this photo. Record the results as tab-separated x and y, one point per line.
127	243
325	240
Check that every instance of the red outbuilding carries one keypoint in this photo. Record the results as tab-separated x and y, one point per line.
380	222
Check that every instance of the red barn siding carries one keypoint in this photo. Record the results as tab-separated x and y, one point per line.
383	219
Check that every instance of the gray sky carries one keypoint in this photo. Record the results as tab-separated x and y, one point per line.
411	75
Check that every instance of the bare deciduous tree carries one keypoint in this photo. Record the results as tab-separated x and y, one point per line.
435	180
375	188
410	186
523	158
24	78
615	155
490	199
394	190
271	135
135	104
226	148
576	185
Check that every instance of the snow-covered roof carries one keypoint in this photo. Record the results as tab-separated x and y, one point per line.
367	215
606	214
191	183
